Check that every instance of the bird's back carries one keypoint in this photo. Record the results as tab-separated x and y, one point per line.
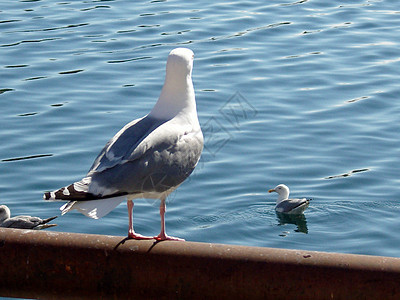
292	206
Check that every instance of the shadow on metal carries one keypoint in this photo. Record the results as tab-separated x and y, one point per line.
50	265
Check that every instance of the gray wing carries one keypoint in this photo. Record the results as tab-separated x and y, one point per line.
124	143
292	206
23	222
27	222
147	155
161	159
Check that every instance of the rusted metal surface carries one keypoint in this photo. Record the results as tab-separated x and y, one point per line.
51	265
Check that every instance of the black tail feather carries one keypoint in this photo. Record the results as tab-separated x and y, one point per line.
48	220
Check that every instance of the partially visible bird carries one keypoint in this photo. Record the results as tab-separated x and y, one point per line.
22	222
286	205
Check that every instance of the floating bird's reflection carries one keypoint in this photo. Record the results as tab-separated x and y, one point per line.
299	220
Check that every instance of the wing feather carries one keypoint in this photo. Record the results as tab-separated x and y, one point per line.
94	209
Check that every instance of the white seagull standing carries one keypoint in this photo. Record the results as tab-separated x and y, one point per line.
286	205
148	158
22	222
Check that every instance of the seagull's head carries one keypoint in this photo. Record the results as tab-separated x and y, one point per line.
282	190
180	62
4	212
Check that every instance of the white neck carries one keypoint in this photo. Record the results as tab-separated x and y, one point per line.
282	196
177	96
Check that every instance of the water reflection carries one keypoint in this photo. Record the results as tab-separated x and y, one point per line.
299	220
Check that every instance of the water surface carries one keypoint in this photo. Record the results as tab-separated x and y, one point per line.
303	93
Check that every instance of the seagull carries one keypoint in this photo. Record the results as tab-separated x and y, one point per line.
286	205
22	222
148	158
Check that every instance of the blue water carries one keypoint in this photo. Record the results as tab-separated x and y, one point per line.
304	93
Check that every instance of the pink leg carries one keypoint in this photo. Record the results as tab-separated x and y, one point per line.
131	233
163	236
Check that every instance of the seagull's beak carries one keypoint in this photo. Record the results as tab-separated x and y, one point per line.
271	190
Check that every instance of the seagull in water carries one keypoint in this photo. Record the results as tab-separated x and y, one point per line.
286	205
149	157
22	222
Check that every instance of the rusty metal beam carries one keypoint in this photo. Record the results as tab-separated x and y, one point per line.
48	265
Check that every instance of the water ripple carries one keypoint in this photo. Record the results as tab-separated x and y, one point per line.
95	7
348	173
16	66
52	28
128	60
242	33
2	91
9	21
29	41
26	157
70	72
